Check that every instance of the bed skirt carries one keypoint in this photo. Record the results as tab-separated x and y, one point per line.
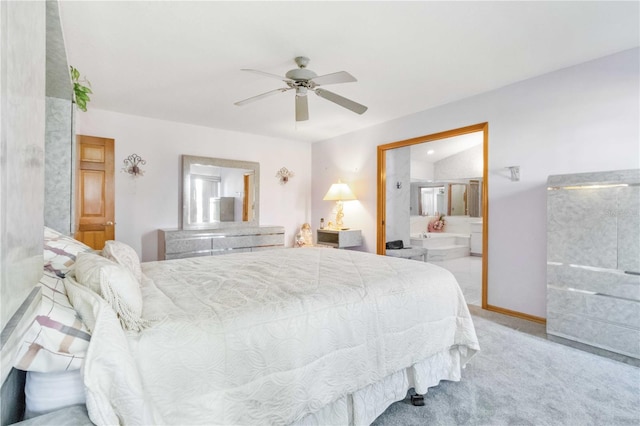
365	405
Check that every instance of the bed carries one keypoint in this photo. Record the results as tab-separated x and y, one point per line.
289	336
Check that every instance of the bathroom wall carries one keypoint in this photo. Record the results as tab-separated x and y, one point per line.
463	165
453	224
421	170
398	174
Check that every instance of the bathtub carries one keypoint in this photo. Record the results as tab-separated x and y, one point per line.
443	245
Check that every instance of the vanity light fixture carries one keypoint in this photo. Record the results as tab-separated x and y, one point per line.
284	174
339	192
132	165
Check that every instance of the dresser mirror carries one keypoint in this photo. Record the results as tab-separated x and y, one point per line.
218	192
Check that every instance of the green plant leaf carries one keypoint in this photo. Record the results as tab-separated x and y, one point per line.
75	74
80	91
82	105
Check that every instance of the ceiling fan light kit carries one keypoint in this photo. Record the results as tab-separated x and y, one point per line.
304	80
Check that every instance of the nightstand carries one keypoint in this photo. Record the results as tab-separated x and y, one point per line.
339	239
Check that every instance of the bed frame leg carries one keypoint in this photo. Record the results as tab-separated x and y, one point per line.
417	400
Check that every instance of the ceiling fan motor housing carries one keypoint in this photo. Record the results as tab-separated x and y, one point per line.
300	74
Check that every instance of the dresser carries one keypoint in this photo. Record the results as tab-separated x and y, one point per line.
593	259
180	243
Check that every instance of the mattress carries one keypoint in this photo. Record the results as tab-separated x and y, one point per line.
48	392
278	337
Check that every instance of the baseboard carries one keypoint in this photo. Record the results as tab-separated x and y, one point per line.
516	314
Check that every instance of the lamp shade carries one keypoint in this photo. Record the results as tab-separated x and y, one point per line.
339	192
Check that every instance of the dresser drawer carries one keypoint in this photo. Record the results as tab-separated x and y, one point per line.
219	251
226	242
267	241
188	245
184	255
178	244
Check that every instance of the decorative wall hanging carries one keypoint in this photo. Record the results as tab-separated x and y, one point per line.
515	173
284	174
132	165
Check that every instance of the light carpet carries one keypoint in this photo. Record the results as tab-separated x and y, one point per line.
519	379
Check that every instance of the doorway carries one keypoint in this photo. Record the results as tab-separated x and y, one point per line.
95	206
473	193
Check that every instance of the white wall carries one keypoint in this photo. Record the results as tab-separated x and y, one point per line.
22	124
148	203
580	119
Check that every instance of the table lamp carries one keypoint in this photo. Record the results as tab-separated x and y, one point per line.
339	192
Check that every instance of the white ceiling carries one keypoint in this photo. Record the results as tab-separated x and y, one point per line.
181	61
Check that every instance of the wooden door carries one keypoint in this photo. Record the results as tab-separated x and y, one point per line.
95	206
245	199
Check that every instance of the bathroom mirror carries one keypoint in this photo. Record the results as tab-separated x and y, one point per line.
432	201
218	192
457	200
465	199
460	198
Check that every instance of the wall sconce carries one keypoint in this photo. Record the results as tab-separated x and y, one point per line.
398	185
339	192
284	174
132	165
515	173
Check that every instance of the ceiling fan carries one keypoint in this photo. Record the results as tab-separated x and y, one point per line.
303	80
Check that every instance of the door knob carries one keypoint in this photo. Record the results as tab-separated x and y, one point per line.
109	223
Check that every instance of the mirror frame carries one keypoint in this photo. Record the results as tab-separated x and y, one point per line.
382	195
188	160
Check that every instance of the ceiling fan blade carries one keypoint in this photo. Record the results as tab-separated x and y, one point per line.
266	74
343	102
263	95
302	108
336	77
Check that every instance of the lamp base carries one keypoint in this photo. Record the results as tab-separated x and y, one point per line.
339	215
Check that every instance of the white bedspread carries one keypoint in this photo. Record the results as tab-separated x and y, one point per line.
268	337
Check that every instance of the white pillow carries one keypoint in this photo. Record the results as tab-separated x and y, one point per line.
116	284
124	255
60	251
57	339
